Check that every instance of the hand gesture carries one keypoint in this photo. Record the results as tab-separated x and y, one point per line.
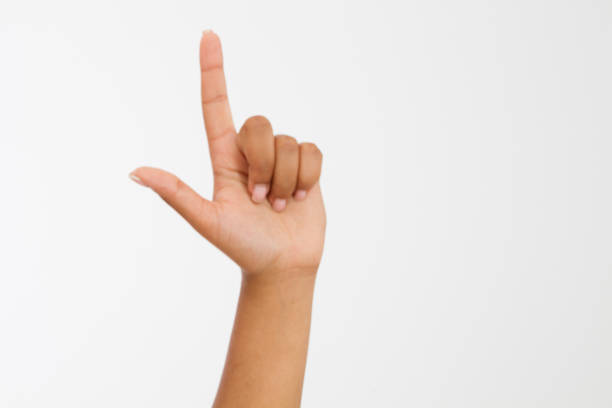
267	211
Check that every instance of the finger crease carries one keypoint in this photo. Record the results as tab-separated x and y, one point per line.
217	98
227	132
212	68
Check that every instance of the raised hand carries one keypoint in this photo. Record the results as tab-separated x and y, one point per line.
267	211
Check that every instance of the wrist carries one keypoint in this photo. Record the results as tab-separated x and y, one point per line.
289	282
275	275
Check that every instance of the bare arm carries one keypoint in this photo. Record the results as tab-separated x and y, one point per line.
267	356
267	215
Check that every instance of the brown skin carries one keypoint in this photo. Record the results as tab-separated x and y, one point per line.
267	215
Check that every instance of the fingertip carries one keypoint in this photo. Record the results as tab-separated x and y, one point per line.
279	204
139	176
260	191
156	179
300	195
210	50
136	179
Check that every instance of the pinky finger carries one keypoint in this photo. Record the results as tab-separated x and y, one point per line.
310	169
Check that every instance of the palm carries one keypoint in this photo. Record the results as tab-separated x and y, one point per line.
259	238
255	234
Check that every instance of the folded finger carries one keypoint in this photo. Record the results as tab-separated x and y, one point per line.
309	170
256	142
286	164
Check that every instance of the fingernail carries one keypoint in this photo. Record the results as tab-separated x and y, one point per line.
136	179
260	191
279	204
300	195
207	31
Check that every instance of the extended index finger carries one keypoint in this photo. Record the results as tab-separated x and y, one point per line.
215	105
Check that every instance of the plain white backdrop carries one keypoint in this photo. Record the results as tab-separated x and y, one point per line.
467	176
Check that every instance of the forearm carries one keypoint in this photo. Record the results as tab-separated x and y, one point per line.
267	215
267	353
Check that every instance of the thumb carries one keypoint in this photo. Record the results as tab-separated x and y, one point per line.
196	210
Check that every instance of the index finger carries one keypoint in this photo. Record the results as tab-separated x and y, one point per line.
215	105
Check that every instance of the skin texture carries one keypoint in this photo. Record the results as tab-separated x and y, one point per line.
267	215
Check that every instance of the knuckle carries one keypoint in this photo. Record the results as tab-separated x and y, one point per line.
285	142
311	148
257	122
282	189
179	187
210	99
261	168
308	178
285	139
171	188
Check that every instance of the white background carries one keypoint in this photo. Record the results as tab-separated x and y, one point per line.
467	177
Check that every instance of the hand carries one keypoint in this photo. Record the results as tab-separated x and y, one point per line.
267	211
